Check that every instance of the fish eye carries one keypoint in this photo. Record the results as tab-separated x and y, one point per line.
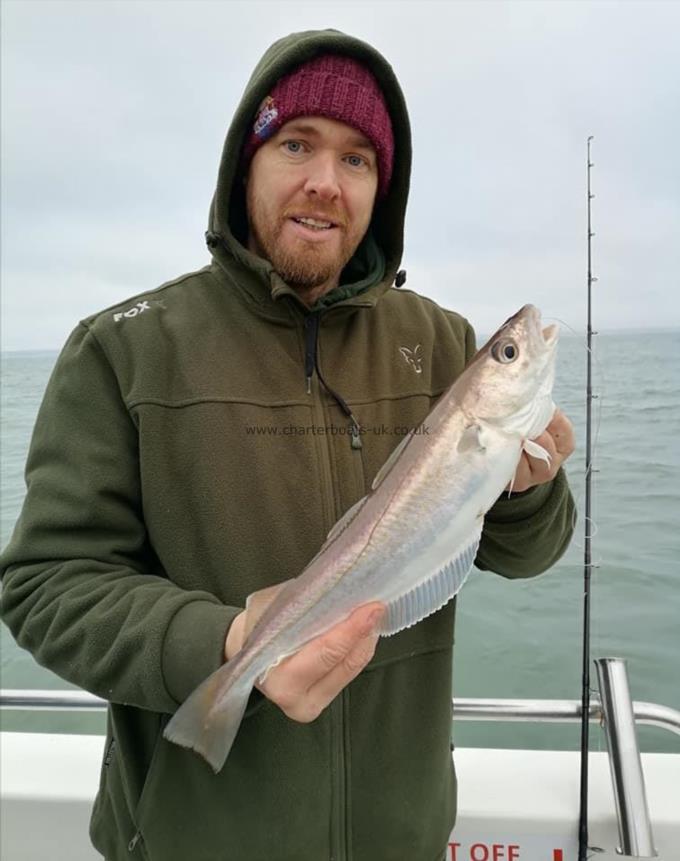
504	351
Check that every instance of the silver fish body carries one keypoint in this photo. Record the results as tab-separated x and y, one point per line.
411	542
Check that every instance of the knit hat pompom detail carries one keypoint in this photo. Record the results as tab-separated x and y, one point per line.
339	88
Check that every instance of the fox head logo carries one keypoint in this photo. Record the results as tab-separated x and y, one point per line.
413	357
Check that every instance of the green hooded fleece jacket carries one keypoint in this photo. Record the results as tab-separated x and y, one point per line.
193	447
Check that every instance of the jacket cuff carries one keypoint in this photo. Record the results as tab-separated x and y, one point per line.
520	506
194	645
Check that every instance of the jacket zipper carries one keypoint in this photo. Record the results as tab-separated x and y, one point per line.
339	782
339	789
312	321
347	771
311	335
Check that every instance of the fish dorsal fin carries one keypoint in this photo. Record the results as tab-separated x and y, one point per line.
391	460
433	593
345	520
471	439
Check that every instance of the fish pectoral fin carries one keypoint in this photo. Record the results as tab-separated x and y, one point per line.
431	595
535	450
471	440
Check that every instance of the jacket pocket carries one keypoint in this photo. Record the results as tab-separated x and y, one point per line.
146	792
112	828
109	752
109	745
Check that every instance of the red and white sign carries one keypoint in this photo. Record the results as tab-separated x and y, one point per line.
527	848
483	852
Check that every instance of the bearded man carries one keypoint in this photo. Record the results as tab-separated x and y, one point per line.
184	457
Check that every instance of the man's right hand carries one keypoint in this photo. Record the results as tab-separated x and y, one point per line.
303	684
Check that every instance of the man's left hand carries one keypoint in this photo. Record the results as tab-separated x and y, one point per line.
558	440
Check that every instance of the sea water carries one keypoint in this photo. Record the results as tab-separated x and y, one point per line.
514	638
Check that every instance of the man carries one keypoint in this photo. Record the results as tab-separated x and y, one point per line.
196	444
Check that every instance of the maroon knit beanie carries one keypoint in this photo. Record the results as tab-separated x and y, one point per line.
336	87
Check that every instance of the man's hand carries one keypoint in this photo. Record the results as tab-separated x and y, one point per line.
306	682
558	440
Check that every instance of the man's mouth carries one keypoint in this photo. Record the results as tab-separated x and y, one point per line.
314	223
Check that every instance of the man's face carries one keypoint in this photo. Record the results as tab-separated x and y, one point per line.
312	168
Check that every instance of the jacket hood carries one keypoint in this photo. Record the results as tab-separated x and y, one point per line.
377	258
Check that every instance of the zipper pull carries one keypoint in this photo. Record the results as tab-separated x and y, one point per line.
356	434
135	840
109	753
311	333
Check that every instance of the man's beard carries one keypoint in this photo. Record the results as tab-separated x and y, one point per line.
302	265
306	268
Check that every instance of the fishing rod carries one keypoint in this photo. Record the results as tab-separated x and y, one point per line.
587	556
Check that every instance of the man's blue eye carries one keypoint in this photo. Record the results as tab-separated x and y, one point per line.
356	160
293	146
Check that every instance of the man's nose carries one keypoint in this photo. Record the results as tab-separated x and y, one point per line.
323	178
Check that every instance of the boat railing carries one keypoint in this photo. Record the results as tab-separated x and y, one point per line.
464	708
558	711
613	709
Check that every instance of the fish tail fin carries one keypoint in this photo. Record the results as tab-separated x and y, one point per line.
209	719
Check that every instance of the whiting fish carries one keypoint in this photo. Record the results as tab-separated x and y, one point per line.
409	543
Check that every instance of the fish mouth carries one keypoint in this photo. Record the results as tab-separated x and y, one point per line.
547	335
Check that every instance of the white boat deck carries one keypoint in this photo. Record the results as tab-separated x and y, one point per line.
513	805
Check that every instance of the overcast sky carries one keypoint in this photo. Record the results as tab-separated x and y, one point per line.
114	114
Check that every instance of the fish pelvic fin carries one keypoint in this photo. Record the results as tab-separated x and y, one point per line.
209	719
432	594
532	448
